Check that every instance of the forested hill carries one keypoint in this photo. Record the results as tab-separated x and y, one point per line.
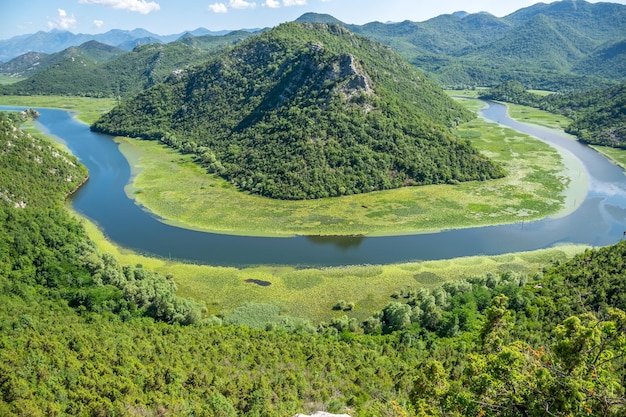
307	111
123	75
45	251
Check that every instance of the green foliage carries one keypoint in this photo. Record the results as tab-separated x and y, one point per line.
77	72
307	111
560	46
599	115
42	247
74	341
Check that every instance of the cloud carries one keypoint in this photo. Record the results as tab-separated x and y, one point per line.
140	6
98	23
62	21
241	4
272	4
218	8
234	4
275	4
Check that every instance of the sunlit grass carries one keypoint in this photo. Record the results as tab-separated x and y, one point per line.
6	79
174	187
88	109
538	117
312	293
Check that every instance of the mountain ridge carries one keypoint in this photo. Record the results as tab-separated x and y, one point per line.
548	46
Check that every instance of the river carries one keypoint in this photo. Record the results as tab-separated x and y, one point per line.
600	220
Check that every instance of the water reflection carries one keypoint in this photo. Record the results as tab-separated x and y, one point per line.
341	242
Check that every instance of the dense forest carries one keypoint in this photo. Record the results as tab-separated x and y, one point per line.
82	335
599	116
44	249
307	111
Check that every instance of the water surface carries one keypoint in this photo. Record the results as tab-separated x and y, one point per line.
600	220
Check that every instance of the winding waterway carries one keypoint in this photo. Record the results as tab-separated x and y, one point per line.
600	219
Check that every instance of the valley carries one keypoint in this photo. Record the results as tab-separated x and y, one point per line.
300	218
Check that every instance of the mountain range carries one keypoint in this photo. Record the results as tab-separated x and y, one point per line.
561	46
57	40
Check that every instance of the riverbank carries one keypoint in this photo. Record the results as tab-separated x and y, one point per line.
573	170
86	109
311	293
534	188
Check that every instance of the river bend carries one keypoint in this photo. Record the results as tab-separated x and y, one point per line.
600	219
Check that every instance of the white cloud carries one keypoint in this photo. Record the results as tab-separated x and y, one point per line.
288	3
241	4
98	23
272	4
218	8
140	6
62	21
235	4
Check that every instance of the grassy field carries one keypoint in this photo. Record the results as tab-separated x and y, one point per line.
88	110
5	79
538	117
534	188
311	293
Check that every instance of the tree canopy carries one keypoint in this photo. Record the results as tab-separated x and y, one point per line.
308	111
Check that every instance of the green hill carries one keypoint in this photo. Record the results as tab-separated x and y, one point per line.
548	46
307	111
541	43
84	71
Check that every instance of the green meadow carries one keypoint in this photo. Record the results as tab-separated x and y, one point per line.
312	293
538	184
87	110
536	174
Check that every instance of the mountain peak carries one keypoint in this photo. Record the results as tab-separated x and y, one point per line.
318	18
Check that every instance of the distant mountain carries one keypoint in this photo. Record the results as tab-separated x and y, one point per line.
24	65
546	46
132	44
607	61
88	55
556	46
106	71
127	75
57	40
307	111
539	42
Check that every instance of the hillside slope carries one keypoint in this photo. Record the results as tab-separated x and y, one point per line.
307	111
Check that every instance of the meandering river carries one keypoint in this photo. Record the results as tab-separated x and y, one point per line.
600	219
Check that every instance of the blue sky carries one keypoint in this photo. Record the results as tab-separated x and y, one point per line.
166	17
